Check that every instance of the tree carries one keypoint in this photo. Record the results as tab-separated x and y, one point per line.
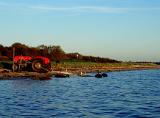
1	48
20	49
44	50
57	53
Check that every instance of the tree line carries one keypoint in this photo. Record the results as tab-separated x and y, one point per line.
53	52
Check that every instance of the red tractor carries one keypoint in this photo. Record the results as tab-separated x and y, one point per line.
27	63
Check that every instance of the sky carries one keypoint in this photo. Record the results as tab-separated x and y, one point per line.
126	30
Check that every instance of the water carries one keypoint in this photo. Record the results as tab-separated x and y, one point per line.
128	94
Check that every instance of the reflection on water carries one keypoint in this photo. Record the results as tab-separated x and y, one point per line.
128	94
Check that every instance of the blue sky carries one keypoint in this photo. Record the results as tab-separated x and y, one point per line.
120	29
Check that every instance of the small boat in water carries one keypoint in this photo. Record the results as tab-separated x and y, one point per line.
99	75
104	75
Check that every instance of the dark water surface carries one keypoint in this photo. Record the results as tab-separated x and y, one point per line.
129	94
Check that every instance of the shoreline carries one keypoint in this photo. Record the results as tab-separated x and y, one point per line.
8	74
109	69
89	67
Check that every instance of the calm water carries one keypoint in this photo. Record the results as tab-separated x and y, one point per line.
129	94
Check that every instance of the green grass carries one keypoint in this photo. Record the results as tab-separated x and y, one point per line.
74	64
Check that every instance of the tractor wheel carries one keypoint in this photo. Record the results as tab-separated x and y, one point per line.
37	66
15	67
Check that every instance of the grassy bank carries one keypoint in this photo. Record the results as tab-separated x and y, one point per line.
93	66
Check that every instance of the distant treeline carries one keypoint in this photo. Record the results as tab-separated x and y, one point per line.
54	53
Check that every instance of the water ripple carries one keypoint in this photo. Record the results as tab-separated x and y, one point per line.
128	94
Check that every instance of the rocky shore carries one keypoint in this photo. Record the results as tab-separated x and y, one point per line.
8	74
107	69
